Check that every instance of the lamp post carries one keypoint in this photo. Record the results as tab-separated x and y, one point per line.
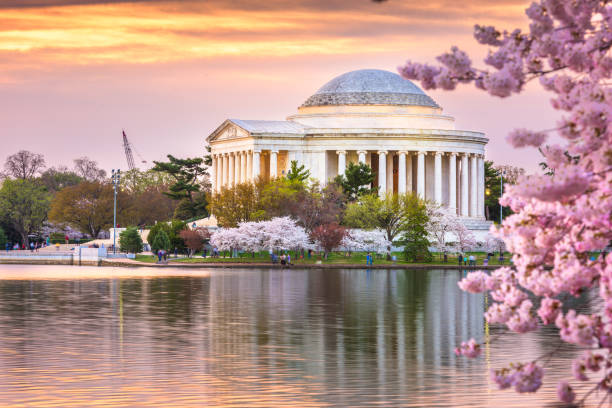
116	177
501	193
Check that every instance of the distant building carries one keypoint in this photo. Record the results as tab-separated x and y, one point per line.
370	116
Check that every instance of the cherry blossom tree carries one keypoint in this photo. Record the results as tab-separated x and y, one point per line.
562	218
464	239
360	240
281	233
225	239
493	243
440	224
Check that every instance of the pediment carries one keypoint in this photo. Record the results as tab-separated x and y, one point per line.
232	132
228	131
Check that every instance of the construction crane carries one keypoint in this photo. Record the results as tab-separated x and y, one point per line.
128	152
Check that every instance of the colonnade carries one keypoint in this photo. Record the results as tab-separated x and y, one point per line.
460	187
229	169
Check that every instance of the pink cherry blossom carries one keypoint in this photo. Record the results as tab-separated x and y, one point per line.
561	221
528	377
565	392
469	349
524	137
549	310
579	370
474	282
578	329
504	378
524	319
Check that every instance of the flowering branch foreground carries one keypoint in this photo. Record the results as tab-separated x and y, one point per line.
559	220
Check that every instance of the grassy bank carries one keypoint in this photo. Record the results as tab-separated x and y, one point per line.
356	258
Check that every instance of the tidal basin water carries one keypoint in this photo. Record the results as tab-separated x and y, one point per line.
87	336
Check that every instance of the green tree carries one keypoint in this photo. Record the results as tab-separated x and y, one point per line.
136	181
161	241
493	174
172	231
279	196
372	212
130	241
3	239
56	179
414	229
356	181
24	205
298	174
188	177
88	206
232	205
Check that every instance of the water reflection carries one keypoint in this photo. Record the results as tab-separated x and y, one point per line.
253	338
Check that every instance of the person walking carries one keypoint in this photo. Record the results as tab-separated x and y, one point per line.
472	260
460	259
159	256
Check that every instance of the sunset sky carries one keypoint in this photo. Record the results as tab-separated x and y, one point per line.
74	73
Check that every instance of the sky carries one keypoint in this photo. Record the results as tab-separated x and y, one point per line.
74	73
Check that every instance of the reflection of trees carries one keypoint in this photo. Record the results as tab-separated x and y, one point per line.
373	331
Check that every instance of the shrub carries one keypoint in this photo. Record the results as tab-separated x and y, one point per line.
130	241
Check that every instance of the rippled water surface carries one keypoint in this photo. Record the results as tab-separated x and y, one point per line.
243	337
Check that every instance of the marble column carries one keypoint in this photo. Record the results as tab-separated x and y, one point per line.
273	164
243	166
401	175
213	173
409	172
464	186
256	164
237	168
362	156
231	170
341	161
382	172
473	186
421	174
481	186
249	165
225	170
452	183
438	177
219	172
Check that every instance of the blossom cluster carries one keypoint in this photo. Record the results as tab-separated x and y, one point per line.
278	233
523	377
442	225
366	240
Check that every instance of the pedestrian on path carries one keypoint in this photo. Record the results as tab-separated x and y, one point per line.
472	260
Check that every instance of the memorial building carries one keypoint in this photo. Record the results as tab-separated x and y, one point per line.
370	116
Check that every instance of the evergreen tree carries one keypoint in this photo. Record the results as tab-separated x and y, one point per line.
130	241
356	181
188	184
161	242
298	174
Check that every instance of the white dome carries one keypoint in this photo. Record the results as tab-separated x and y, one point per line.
370	87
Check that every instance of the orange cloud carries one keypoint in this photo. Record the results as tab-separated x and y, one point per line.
149	32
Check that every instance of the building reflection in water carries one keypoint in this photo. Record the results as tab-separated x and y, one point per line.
248	337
